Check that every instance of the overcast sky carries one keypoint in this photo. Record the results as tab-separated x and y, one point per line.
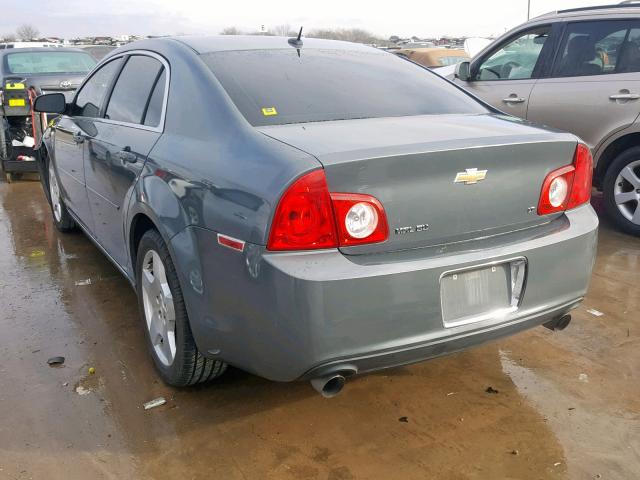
70	18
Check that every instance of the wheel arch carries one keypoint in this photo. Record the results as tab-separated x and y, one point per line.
611	152
140	224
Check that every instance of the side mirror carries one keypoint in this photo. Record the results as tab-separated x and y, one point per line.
462	71
50	103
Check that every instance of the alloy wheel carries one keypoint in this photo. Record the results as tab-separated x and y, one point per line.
159	308
54	191
626	192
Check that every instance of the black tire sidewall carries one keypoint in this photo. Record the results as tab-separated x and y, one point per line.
175	373
608	186
66	222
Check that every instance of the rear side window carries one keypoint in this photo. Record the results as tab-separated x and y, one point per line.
599	48
154	110
92	94
272	87
131	93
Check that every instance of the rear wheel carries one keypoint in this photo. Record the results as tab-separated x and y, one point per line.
162	308
61	217
622	191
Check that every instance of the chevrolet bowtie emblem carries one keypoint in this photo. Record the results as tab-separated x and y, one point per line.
470	176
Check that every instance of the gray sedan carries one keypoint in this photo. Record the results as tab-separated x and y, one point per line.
315	209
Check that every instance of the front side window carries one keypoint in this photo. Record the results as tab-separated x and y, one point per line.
130	97
517	59
51	62
599	48
93	93
274	87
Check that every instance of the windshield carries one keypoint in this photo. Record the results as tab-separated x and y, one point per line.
49	62
274	87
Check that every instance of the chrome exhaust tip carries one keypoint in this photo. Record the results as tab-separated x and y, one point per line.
328	386
558	324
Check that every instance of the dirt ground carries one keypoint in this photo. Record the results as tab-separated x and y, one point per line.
567	403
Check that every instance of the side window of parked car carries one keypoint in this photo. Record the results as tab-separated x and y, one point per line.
598	48
130	97
92	94
154	111
516	59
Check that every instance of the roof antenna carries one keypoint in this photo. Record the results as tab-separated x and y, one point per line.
297	42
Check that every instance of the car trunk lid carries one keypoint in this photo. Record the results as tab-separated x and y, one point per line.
428	172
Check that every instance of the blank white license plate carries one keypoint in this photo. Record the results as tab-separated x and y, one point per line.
474	295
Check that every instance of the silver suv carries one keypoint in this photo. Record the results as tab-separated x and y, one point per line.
576	70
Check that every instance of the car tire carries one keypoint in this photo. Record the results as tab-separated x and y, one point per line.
165	318
4	151
61	217
621	189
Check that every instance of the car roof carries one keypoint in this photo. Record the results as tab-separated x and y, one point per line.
39	49
222	43
450	51
619	9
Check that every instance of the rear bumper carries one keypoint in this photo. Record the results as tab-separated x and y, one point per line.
286	316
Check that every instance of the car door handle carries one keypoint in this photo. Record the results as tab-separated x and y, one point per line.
624	96
127	156
78	137
514	100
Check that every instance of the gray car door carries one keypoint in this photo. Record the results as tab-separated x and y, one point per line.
116	153
505	76
71	132
594	86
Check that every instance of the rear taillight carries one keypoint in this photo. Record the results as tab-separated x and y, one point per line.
309	217
581	189
360	219
568	187
304	218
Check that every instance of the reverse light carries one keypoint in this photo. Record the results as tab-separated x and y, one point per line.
360	219
569	186
309	217
558	191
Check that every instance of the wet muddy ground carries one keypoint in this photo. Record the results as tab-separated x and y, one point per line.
567	403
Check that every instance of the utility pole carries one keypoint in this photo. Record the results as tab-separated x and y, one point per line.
528	9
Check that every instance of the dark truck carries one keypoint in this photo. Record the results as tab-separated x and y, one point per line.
24	74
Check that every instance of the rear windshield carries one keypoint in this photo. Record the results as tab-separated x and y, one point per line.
274	87
49	62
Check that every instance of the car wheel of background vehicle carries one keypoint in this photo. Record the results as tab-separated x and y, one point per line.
61	217
165	318
621	188
3	142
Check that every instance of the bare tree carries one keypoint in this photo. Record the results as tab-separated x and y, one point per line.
283	30
9	37
349	35
231	31
27	32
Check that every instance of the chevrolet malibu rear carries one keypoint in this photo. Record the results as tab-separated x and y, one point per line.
339	210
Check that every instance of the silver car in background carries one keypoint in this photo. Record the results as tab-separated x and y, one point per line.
577	70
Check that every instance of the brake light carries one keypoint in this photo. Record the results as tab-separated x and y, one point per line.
304	219
568	187
360	219
581	189
309	217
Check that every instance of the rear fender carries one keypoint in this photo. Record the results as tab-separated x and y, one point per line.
614	144
167	213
